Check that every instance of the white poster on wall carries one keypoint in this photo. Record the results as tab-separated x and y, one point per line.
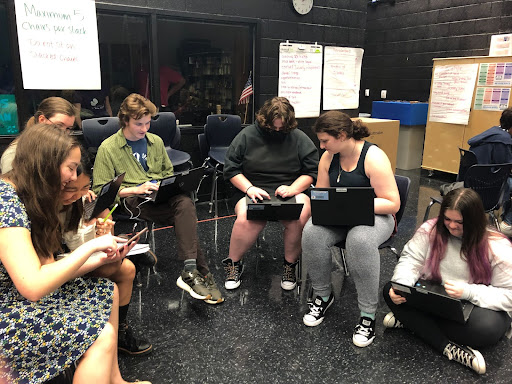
342	77
452	92
300	77
58	44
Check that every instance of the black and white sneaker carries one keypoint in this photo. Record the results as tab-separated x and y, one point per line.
390	321
234	272
289	276
364	333
317	310
466	356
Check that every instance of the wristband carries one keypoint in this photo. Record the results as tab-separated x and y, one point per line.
247	190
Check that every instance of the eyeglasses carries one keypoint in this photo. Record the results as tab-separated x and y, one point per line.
61	125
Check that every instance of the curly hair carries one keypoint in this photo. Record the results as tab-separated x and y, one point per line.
40	152
135	106
335	122
277	108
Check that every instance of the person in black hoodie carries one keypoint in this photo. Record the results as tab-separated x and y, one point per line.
494	146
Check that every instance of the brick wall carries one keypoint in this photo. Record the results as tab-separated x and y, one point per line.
402	39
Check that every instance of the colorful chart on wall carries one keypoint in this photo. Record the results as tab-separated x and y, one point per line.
495	74
452	91
492	99
342	77
8	115
58	44
300	77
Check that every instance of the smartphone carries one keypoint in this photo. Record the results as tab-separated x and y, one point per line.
132	239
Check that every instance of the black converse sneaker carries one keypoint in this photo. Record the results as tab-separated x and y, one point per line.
364	333
466	356
390	321
234	272
289	278
317	310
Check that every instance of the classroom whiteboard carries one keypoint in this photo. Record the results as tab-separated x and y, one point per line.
58	44
342	77
300	77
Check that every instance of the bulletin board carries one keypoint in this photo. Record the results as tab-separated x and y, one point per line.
442	140
300	77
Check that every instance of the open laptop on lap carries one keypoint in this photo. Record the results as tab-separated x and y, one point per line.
104	199
183	182
277	208
348	206
432	298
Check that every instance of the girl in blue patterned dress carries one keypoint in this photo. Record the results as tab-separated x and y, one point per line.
50	318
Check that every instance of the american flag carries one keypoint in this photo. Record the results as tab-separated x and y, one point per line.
246	92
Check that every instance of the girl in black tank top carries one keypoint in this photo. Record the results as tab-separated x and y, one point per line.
356	178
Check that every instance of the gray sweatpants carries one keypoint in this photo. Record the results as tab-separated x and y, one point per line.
362	255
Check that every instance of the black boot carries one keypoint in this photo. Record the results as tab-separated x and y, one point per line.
127	343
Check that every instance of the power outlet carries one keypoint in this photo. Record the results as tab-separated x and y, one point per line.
383	94
367	92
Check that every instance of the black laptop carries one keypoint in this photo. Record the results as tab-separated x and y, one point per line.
277	208
432	298
183	182
349	206
105	198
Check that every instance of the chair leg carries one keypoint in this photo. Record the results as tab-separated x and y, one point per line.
344	262
427	211
494	220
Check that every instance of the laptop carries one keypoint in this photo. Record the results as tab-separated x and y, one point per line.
348	206
430	297
183	182
277	208
105	198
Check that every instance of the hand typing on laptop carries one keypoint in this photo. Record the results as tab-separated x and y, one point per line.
257	194
145	189
454	288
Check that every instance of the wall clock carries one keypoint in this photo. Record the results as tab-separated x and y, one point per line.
303	6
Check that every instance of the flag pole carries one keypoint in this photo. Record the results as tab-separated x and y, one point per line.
245	115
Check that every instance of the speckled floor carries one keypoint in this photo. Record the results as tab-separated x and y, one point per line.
257	334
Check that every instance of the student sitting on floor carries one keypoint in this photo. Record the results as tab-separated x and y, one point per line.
49	317
270	155
76	232
473	263
143	157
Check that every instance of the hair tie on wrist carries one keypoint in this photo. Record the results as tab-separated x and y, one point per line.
247	190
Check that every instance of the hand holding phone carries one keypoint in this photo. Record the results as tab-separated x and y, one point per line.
132	239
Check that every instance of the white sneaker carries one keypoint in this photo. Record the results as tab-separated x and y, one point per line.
390	321
506	229
466	356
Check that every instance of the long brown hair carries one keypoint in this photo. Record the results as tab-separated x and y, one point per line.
49	107
36	175
475	236
335	122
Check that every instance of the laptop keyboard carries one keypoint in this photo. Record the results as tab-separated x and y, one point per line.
88	208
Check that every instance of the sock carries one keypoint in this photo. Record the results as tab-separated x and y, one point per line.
325	298
190	265
123	312
288	263
370	315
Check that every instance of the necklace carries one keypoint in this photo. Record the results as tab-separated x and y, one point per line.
339	163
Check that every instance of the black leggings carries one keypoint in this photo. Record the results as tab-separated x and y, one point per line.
483	328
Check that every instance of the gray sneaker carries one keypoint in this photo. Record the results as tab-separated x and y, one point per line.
214	290
194	283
